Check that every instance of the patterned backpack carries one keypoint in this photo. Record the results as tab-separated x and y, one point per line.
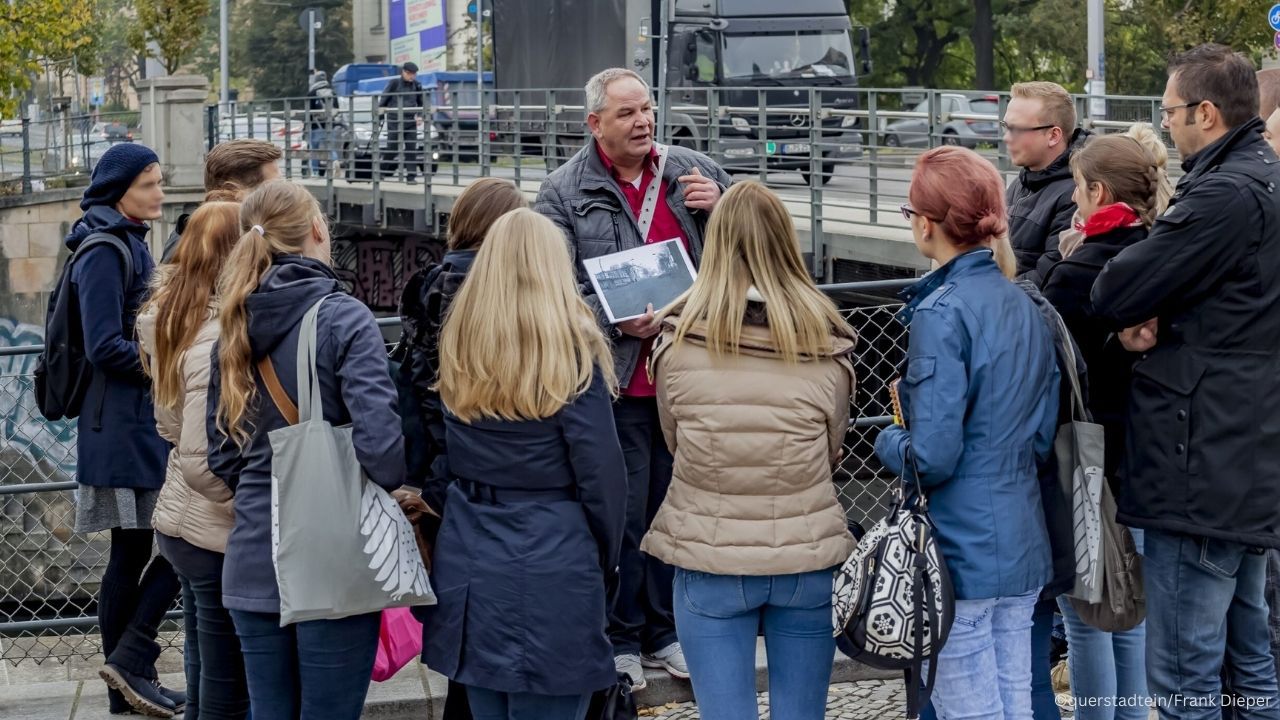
892	602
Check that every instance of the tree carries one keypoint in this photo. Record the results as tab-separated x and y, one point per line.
111	54
168	30
270	48
991	44
918	42
35	29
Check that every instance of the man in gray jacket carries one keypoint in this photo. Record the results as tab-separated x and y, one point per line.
596	199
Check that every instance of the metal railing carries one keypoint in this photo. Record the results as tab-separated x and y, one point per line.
49	575
59	150
840	157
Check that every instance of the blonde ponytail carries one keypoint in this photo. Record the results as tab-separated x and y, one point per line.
279	216
1162	187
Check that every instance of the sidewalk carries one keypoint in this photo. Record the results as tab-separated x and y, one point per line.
414	694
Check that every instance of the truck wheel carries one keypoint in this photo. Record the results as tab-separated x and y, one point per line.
828	171
684	140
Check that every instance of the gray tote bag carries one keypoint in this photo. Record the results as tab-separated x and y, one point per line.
341	545
1079	448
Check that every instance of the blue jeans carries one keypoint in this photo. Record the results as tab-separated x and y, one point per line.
1273	603
1108	670
718	618
316	670
216	688
494	705
984	670
1205	606
323	152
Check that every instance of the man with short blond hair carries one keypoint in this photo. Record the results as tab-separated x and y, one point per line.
1040	133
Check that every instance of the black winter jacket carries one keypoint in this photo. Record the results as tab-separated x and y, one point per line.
1040	208
1203	450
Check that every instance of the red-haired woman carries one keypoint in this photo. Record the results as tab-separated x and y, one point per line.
980	397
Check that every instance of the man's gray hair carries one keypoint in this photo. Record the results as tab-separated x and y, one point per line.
599	84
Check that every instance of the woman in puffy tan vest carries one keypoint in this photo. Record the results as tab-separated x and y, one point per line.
177	329
754	377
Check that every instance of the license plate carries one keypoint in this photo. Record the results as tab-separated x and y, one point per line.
795	149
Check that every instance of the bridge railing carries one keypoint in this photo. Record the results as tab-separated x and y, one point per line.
49	574
841	157
56	150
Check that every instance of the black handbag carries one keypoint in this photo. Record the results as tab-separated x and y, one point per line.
614	703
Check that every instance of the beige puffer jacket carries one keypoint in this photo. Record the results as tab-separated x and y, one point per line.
194	504
755	440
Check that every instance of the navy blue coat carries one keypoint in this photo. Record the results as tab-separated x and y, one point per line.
356	389
117	443
980	395
521	583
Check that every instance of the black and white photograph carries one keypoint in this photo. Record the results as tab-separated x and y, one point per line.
628	281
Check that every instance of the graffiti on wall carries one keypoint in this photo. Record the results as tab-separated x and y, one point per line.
376	269
32	449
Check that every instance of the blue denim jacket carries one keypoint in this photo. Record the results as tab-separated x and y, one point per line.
980	396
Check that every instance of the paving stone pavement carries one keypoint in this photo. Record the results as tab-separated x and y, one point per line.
865	700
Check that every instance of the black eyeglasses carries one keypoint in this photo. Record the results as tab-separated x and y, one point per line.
1167	112
908	211
1015	130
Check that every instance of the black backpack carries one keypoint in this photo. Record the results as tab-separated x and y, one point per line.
63	371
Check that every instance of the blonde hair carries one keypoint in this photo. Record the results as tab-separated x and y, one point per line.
287	213
1058	108
1125	166
476	209
750	240
519	342
1150	139
182	290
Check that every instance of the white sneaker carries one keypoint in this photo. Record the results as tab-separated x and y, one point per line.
669	658
630	665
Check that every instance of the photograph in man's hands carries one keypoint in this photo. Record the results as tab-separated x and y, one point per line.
628	282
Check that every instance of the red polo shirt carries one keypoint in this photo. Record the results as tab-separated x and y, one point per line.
664	227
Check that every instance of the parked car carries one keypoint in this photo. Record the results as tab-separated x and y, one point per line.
11	126
111	132
914	132
265	127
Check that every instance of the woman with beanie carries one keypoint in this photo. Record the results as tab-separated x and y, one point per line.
980	400
121	457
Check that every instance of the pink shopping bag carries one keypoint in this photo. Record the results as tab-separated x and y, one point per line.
399	643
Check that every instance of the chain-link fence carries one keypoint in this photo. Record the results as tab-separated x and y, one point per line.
49	574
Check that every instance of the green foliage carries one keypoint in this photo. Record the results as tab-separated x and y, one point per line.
168	30
269	48
931	43
31	30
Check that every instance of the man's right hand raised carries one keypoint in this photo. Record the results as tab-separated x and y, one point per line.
645	326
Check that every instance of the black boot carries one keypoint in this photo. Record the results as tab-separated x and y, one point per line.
142	695
117	704
177	697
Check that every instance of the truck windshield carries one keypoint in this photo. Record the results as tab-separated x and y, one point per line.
794	54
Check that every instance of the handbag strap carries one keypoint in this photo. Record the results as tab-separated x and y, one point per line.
650	204
284	405
310	402
1067	352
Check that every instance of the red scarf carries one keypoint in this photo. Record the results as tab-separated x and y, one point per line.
1105	219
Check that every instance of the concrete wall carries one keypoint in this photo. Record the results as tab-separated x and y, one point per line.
369	28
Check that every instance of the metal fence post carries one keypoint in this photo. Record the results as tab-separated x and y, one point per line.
815	183
26	156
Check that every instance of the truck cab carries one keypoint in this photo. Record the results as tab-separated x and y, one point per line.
764	52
